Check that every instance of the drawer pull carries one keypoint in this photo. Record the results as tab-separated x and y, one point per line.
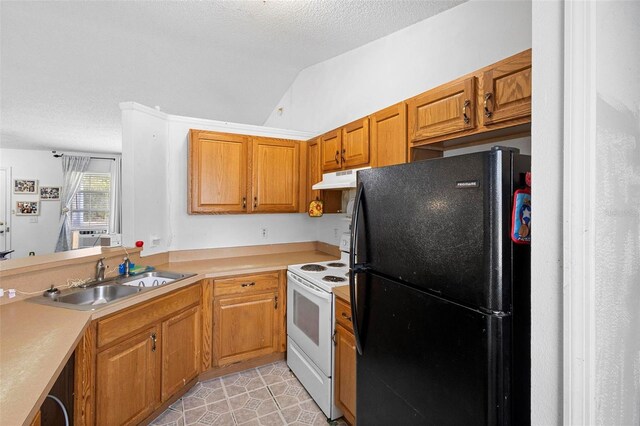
345	316
248	284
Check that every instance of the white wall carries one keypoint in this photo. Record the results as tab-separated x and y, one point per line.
404	64
617	213
546	246
145	179
38	234
155	151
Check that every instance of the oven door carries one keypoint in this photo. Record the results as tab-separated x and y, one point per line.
309	320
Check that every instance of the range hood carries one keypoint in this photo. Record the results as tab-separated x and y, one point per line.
344	179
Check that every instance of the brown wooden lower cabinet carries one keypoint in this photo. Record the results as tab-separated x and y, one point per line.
248	317
37	419
131	362
345	374
180	350
126	380
344	381
244	327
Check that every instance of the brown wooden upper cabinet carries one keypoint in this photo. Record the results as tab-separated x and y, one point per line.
275	171
314	169
355	144
330	148
230	173
445	110
217	172
389	136
507	90
346	147
472	108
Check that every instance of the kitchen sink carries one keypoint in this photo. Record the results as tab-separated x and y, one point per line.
97	295
100	293
150	279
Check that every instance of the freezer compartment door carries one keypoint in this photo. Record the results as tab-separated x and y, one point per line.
442	225
427	361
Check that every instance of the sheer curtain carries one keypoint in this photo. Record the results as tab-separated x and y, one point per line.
115	216
72	169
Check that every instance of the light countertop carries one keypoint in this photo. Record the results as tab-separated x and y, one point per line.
342	292
37	340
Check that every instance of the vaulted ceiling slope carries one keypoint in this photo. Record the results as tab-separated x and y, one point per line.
65	66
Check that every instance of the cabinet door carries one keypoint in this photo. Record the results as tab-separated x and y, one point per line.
180	350
275	175
355	144
389	136
330	150
507	90
217	172
127	389
345	373
446	110
314	169
244	327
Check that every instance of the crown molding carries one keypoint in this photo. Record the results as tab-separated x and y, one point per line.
216	125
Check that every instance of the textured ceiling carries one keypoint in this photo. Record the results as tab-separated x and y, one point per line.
65	66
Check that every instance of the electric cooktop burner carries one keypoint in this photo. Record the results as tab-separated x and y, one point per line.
336	264
333	279
313	268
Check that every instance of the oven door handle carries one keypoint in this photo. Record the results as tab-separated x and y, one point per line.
320	293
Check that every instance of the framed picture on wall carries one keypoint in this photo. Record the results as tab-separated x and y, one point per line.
27	208
49	193
25	186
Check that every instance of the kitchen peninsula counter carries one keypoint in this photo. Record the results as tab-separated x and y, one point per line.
36	340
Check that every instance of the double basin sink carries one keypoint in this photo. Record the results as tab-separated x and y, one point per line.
99	293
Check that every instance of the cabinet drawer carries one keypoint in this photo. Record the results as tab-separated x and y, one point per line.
124	323
343	314
246	284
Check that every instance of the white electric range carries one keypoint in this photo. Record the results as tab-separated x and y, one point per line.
310	324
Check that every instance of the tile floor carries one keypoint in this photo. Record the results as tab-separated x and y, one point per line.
268	395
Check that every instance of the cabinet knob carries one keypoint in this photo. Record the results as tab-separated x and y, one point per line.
345	316
337	157
248	284
487	112
244	202
153	342
255	202
344	151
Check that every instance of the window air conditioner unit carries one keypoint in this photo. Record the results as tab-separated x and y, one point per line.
83	238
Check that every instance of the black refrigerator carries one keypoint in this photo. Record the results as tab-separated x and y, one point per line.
440	294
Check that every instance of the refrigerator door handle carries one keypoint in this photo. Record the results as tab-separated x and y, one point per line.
352	266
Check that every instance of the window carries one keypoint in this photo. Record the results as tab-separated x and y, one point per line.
91	205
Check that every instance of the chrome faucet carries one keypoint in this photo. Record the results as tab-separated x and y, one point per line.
100	269
127	266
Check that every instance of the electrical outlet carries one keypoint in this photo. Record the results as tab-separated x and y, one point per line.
264	233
